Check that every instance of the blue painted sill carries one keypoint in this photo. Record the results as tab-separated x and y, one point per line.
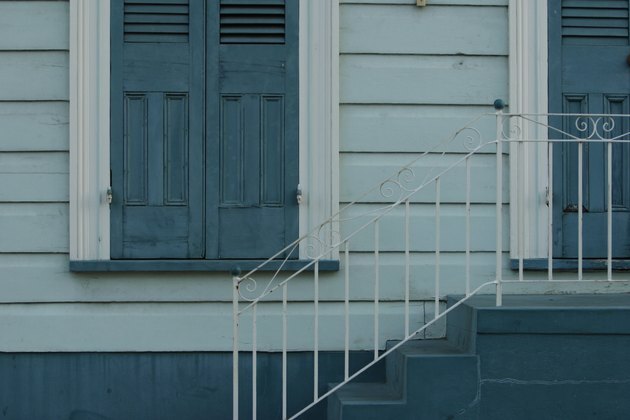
195	265
565	264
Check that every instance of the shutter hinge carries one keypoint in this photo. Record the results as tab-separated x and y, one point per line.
547	196
298	196
109	195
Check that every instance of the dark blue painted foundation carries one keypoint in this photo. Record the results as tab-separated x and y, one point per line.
537	357
155	386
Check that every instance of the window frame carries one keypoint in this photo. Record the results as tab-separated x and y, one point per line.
90	133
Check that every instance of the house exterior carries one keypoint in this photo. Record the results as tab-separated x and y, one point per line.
118	256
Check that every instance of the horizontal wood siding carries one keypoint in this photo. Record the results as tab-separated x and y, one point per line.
33	177
34	76
430	80
34	25
384	29
372	168
408	128
34	126
410	78
431	2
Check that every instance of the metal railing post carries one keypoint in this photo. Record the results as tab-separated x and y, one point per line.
235	285
499	105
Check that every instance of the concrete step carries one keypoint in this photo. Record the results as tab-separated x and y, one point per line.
425	379
548	356
542	357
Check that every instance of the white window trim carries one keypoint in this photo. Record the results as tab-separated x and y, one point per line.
89	121
529	94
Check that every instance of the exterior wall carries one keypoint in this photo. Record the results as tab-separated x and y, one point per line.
404	70
410	77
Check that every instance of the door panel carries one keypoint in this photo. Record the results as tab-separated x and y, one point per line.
252	132
588	73
157	94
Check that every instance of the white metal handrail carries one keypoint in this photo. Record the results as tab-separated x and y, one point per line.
335	235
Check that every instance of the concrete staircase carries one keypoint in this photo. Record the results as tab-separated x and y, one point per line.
537	357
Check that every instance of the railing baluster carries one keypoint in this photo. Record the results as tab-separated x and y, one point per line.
550	212
499	208
376	285
407	268
346	355
468	185
437	248
285	293
316	335
520	209
235	315
254	360
609	235
580	211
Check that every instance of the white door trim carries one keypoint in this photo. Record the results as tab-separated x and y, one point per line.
528	94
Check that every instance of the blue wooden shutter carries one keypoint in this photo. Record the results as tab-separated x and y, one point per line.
157	128
595	22
252	127
588	73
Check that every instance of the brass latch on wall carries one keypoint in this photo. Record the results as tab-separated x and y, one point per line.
421	2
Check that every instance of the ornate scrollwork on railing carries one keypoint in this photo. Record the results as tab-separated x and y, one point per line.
591	127
250	285
401	183
472	138
514	131
323	241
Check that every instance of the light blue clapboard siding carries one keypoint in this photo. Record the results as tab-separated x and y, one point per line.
34	25
34	75
432	2
383	93
45	278
413	128
359	169
34	176
409	79
384	29
29	227
175	327
422	222
34	126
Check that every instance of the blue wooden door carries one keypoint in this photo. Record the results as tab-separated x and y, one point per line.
589	45
204	128
157	94
252	129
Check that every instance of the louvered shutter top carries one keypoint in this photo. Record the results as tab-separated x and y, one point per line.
252	22
156	20
594	22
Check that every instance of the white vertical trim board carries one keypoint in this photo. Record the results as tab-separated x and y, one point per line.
89	120
528	94
319	112
89	129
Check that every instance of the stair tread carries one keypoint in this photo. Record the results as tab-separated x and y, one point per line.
432	348
368	393
535	314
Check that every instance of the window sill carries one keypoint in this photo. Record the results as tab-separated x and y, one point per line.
540	264
195	265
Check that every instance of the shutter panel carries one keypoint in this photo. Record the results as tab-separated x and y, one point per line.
595	22
156	129
252	205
